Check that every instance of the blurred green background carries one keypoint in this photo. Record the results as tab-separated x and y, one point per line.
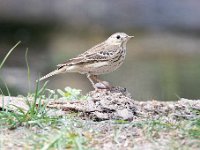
163	60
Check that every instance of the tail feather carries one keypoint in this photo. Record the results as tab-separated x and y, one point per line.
61	70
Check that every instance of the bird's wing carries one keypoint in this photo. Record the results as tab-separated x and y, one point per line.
100	52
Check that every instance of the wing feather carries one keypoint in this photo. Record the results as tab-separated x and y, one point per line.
100	52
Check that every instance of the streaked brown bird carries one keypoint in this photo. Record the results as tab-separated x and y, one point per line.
100	59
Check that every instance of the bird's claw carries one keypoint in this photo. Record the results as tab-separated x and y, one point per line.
103	85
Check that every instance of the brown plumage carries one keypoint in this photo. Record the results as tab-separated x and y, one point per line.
100	59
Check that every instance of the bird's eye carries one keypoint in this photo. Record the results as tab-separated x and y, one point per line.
118	37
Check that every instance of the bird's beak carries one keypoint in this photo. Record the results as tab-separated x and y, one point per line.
130	37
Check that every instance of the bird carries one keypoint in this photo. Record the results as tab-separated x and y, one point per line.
102	58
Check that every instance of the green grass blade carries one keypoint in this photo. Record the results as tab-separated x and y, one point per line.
10	51
18	108
6	86
28	70
56	139
42	90
1	91
36	91
28	103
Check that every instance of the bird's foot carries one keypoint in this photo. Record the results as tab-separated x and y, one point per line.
103	85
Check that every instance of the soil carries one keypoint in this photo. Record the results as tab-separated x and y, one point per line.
102	119
117	104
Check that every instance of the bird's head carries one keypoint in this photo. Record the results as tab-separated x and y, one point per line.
119	38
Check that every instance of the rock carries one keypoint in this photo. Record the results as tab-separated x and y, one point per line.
114	104
124	114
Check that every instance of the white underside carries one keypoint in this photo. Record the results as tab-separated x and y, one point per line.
89	68
97	64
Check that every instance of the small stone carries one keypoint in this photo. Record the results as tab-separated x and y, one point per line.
125	114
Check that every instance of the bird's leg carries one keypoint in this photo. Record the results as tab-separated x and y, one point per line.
91	79
96	79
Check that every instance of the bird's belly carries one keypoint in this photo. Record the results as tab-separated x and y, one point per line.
106	68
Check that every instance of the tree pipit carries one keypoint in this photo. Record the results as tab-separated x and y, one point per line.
100	59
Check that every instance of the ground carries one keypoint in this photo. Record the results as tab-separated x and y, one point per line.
102	120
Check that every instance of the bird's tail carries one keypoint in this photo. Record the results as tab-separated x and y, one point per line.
57	71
